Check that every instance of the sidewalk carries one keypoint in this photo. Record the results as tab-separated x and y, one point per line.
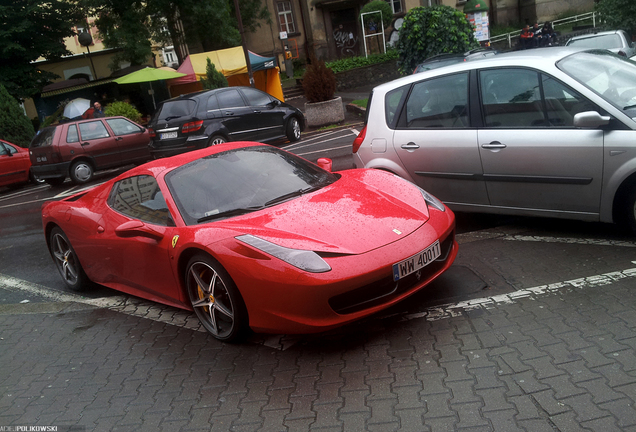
354	116
551	356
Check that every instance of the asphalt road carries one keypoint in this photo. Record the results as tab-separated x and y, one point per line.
24	255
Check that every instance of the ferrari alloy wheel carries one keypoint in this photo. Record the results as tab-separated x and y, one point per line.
217	139
81	172
293	129
215	299
66	261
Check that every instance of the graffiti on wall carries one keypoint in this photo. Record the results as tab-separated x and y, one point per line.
345	42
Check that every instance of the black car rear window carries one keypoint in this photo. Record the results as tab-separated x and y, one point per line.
43	138
176	109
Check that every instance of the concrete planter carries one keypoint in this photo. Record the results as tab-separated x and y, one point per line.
324	113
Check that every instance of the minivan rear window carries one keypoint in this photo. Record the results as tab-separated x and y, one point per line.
43	138
176	109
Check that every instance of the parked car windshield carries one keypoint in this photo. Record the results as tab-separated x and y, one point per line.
175	109
607	74
239	181
607	41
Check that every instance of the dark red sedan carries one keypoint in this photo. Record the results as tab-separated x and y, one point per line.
250	236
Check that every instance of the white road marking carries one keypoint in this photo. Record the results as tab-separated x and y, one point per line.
23	192
583	241
304	144
322	151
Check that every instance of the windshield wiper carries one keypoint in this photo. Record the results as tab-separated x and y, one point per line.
290	195
228	213
629	107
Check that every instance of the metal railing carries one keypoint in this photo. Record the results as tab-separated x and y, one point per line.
514	36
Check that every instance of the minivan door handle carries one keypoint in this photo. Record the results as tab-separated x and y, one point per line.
410	146
493	145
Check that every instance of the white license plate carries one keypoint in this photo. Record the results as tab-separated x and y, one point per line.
417	261
168	135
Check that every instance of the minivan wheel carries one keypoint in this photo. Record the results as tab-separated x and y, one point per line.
216	139
293	129
630	210
81	172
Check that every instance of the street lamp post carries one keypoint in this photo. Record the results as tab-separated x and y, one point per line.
85	39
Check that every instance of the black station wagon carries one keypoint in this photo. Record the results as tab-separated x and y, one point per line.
210	117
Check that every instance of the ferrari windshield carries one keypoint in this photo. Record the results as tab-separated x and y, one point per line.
611	76
240	181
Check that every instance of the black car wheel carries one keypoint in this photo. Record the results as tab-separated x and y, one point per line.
66	261
629	213
81	172
33	179
215	299
293	129
217	139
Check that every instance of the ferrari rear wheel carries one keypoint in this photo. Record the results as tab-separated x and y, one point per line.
215	299
66	261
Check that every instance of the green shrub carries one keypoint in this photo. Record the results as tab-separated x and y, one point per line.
377	5
427	31
319	82
15	126
122	109
214	78
361	61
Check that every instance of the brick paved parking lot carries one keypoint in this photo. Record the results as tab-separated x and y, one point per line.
544	342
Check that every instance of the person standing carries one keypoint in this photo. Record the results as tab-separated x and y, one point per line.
97	110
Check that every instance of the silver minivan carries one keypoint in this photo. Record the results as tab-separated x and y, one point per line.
543	132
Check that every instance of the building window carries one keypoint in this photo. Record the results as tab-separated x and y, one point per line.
286	17
396	5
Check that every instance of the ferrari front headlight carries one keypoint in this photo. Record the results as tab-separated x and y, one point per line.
305	260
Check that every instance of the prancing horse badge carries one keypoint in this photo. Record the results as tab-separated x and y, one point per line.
175	239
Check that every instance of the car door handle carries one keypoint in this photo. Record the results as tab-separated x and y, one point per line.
85	144
257	111
493	145
410	146
118	139
229	113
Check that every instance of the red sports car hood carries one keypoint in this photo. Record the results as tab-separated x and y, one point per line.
363	210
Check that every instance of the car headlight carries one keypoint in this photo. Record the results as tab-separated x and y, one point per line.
305	260
430	199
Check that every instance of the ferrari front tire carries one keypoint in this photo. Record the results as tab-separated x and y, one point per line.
215	299
67	262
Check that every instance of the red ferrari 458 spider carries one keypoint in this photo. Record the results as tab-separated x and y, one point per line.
250	236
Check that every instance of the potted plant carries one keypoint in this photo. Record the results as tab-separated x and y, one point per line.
319	84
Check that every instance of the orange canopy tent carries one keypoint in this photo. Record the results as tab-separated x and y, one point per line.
231	63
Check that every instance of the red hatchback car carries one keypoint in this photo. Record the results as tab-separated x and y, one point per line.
15	165
248	235
78	149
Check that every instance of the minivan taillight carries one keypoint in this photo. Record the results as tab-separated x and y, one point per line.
192	126
151	133
358	141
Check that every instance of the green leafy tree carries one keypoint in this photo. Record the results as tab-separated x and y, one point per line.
123	109
15	127
618	14
428	31
123	24
214	78
32	29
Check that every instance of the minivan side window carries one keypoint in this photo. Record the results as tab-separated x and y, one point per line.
256	97
511	98
440	102
122	126
230	99
71	134
93	130
140	198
